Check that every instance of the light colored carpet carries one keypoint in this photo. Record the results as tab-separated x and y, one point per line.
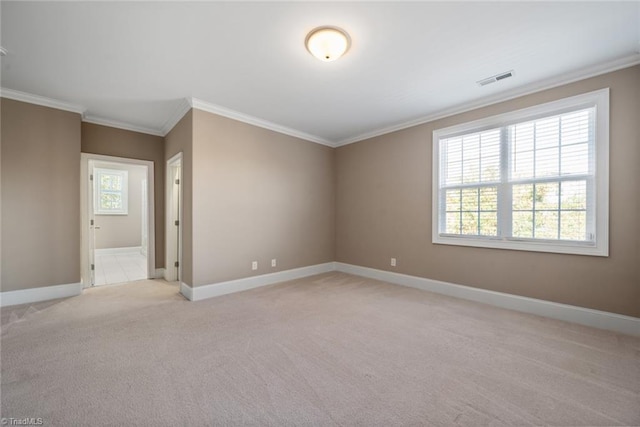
332	349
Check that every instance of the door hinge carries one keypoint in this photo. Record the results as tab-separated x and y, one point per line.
177	222
177	182
91	177
176	264
93	267
91	222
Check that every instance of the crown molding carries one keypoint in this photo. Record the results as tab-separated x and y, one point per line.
41	100
245	118
183	107
585	73
187	103
74	108
121	125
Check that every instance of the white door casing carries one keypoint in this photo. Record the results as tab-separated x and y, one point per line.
173	239
87	237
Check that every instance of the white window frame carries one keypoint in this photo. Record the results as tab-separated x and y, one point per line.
600	247
98	210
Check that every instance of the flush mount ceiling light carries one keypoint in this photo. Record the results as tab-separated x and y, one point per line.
3	51
327	43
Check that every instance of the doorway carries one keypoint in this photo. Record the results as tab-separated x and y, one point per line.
117	220
173	261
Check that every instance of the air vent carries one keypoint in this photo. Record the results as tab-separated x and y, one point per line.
495	78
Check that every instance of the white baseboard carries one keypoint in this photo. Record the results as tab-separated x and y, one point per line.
584	316
187	291
159	273
570	313
216	289
25	296
114	251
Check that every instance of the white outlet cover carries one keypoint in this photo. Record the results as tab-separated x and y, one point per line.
254	265
273	262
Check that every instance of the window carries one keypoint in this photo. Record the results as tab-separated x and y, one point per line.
111	191
534	179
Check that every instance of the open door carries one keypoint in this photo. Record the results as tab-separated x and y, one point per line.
173	262
87	233
92	228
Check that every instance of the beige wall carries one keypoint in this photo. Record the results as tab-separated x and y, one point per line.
384	210
253	194
258	195
180	140
123	231
98	139
40	196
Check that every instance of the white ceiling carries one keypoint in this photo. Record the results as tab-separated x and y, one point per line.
135	63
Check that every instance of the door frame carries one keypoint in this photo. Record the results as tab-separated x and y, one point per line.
86	214
173	246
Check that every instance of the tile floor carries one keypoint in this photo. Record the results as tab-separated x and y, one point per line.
119	267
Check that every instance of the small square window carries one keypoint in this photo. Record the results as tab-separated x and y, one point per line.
111	195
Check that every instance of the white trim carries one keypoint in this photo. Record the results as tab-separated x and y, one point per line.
560	80
186	291
123	250
41	100
216	289
568	313
245	118
121	125
177	115
599	99
25	296
159	273
187	103
173	248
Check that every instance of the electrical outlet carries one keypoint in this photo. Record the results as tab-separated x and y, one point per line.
274	262
393	262
254	265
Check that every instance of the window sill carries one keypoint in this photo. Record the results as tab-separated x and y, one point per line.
573	248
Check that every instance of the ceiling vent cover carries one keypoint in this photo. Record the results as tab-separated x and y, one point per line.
495	78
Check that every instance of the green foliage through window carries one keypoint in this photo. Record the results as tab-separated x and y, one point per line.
111	191
530	180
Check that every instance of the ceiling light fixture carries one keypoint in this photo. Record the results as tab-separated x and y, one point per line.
327	43
3	51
